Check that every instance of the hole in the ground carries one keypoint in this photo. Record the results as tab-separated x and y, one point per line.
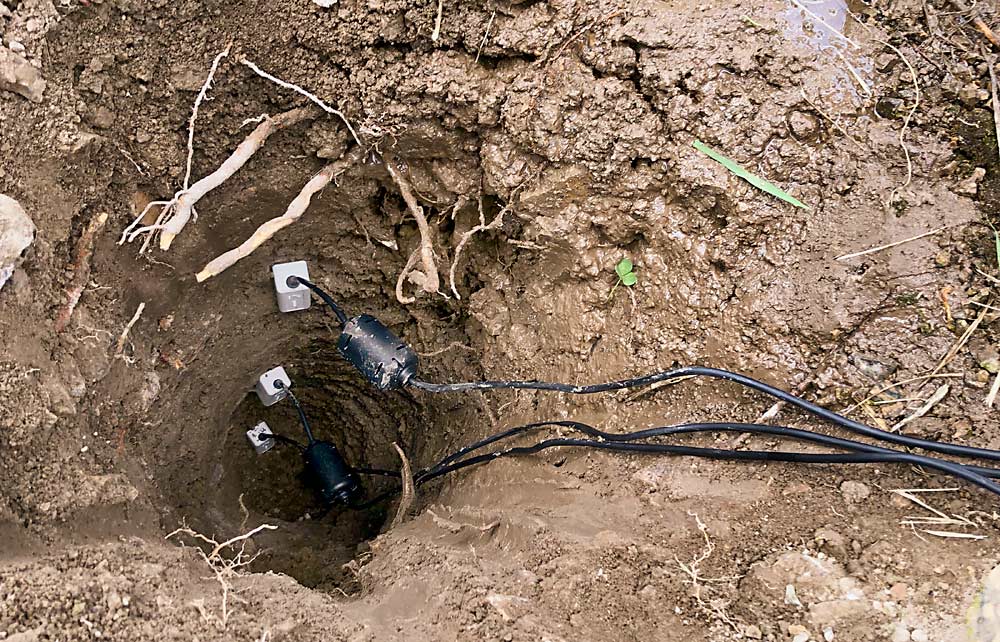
310	544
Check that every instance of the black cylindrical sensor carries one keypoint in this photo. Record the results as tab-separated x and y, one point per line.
330	475
378	354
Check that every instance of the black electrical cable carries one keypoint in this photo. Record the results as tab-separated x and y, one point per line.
624	442
323	295
715	453
298	407
748	382
283	439
667	431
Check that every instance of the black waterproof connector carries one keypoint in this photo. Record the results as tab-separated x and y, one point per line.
329	474
384	359
325	468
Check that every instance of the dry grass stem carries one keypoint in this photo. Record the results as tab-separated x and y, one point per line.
937	519
934	400
887	246
906	122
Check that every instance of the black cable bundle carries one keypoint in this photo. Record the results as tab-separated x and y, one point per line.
639	441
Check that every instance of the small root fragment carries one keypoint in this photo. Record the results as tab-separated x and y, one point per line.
430	281
80	269
409	492
120	344
268	229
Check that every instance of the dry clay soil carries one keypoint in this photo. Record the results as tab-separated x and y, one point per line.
570	124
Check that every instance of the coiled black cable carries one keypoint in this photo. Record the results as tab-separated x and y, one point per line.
717	373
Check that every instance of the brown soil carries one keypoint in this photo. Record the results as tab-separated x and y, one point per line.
576	120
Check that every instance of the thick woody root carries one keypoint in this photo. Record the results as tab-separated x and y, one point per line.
179	210
295	209
80	270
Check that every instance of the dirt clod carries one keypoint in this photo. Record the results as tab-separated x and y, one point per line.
19	76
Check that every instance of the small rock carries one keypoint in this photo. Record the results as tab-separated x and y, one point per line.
828	634
752	632
17	75
17	231
803	125
832	543
970	186
918	635
854	492
16	47
798	632
901	634
102	117
879	369
898	591
942	258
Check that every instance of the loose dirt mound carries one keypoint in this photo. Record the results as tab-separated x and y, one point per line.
571	126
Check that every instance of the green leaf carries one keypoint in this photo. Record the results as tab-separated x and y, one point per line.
624	267
756	181
629	279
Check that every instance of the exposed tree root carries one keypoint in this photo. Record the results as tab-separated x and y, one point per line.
295	209
80	269
482	227
428	279
409	492
179	210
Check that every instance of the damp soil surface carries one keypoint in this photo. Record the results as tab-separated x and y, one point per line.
544	141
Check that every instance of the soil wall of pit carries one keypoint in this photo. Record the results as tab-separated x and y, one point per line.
573	123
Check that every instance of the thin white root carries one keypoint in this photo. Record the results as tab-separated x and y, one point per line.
268	229
906	123
409	492
225	568
482	227
184	201
194	111
120	344
430	280
437	23
299	90
410	262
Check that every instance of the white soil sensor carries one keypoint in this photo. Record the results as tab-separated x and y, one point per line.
292	295
258	439
273	385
